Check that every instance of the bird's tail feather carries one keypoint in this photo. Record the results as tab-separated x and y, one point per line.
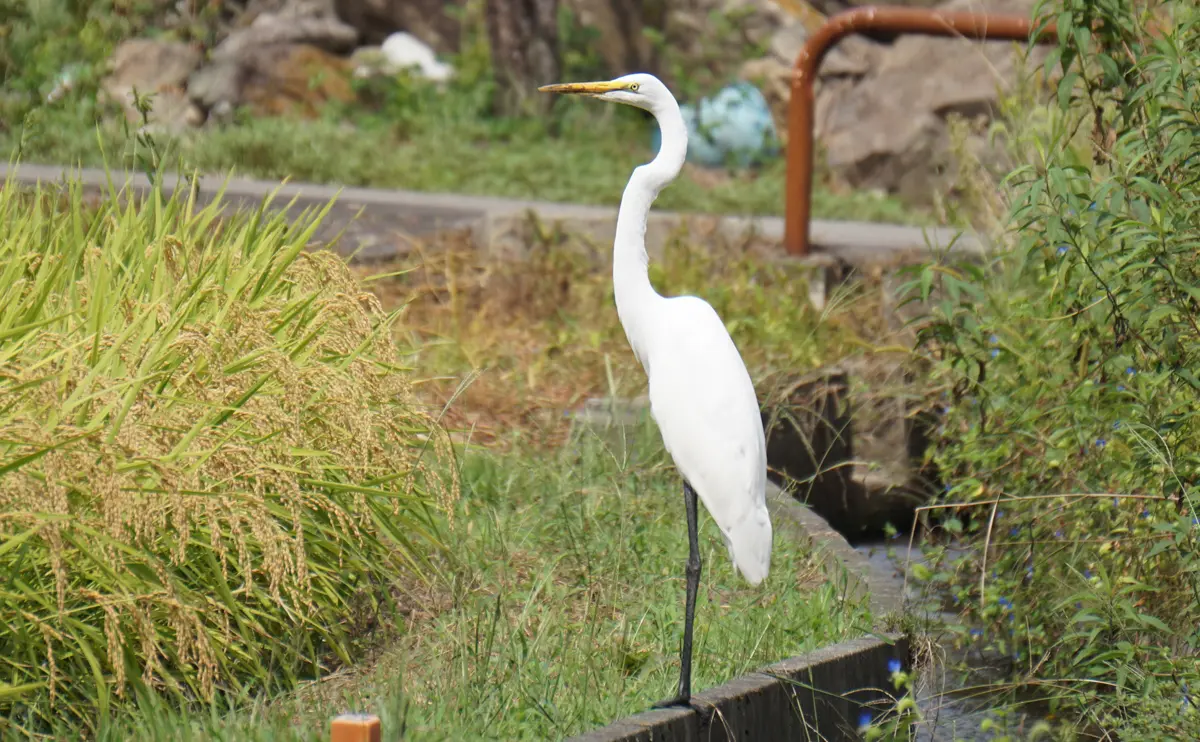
749	543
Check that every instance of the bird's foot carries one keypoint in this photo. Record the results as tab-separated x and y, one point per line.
684	700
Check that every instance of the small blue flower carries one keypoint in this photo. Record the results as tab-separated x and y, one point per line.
995	352
1062	249
1117	425
893	666
864	719
1131	370
1078	605
1145	512
1196	521
1058	534
1116	501
999	514
1120	387
1029	571
1087	574
976	633
1014	532
1004	603
1101	443
994	340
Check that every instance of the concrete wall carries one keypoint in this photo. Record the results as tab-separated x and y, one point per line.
816	696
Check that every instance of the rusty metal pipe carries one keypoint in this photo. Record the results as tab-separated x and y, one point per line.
867	20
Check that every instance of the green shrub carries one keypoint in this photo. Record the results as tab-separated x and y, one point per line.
1071	394
212	469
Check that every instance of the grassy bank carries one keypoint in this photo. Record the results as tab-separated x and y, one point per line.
564	610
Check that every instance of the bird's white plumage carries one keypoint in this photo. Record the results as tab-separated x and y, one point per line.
701	395
703	401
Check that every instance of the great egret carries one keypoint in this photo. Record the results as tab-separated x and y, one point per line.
701	395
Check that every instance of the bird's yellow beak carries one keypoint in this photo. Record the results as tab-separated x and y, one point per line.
583	88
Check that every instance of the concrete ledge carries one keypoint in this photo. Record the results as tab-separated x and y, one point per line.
376	224
816	696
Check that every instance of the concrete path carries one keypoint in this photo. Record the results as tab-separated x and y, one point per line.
378	224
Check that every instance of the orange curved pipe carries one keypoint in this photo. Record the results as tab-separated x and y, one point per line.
865	20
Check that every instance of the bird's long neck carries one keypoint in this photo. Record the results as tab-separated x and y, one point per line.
635	296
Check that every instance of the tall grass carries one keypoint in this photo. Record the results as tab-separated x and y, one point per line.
212	470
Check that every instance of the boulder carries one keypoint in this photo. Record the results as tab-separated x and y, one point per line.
890	131
251	64
158	69
309	23
273	80
883	110
294	79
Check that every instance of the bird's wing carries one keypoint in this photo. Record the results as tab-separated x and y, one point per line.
704	403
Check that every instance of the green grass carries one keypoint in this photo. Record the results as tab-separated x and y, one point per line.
444	142
565	612
212	467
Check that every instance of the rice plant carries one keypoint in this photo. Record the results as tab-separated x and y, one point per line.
212	468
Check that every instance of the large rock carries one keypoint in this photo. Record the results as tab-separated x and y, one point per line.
843	66
890	131
309	22
294	79
158	69
282	59
883	110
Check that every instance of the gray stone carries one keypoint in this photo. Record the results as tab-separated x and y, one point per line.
269	29
890	131
159	70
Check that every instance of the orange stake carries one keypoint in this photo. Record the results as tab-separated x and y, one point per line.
356	728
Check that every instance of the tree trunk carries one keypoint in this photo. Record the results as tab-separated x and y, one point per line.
621	25
525	54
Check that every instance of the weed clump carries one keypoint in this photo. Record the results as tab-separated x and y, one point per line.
210	460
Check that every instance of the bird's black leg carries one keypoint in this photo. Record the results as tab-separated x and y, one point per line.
684	695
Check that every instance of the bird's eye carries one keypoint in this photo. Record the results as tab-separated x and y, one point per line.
633	86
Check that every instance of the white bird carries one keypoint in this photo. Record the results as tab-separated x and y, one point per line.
701	395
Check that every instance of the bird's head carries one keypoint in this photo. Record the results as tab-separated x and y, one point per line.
640	90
